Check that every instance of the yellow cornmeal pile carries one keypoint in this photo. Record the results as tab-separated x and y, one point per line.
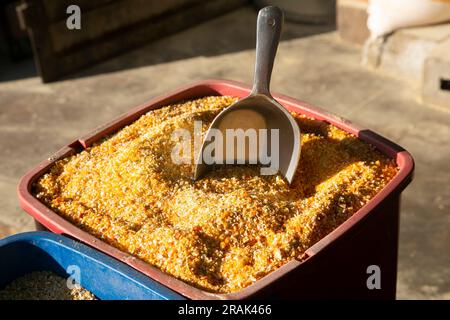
43	285
227	230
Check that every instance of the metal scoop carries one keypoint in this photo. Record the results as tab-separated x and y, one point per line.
260	110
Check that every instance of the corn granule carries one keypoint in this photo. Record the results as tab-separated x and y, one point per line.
230	228
43	285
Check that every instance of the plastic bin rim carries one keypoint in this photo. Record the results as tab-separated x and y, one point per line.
57	224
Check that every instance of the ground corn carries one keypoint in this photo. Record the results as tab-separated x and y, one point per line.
43	285
227	230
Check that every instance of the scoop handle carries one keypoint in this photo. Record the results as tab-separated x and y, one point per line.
268	31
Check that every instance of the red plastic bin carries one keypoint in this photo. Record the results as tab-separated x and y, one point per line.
335	267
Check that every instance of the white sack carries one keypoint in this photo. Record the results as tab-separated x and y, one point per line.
386	16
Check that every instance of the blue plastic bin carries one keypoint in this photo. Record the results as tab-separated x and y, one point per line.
105	277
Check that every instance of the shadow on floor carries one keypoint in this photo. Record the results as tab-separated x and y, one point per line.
15	70
232	32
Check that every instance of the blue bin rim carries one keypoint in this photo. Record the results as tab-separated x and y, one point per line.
36	237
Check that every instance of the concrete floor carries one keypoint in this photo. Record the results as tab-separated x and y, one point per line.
312	65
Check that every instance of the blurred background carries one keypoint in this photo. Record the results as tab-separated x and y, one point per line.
383	64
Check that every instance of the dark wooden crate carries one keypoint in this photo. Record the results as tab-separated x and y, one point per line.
108	28
13	40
